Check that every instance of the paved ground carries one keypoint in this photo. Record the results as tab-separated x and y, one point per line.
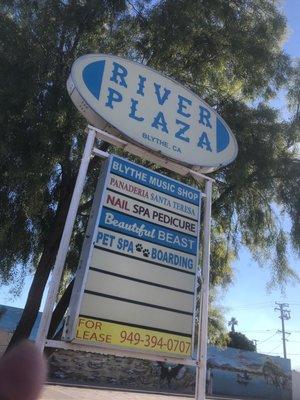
52	392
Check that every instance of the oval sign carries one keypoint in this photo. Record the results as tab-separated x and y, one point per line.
150	109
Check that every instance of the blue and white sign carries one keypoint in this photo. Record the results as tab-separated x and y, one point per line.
140	280
154	111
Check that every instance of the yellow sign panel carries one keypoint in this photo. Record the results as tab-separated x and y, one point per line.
101	332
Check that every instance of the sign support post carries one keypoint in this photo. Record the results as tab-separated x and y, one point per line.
64	243
203	323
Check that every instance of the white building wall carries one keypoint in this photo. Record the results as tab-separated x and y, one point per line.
296	385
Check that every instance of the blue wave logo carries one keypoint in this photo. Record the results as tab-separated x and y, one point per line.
92	76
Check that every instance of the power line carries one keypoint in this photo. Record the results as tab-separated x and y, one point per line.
257	330
264	331
275	348
257	305
252	305
291	354
265	340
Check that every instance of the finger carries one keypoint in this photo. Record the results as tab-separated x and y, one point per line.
22	373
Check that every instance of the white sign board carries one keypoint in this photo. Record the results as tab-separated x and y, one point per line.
135	287
121	96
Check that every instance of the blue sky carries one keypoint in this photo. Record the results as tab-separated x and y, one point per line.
247	299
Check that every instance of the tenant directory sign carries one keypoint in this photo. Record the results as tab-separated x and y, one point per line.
138	289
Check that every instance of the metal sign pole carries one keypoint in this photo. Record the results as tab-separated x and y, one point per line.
64	243
203	324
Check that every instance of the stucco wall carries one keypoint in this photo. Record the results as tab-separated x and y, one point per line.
296	385
231	372
4	340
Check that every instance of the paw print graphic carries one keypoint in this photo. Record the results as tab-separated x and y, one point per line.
138	247
146	253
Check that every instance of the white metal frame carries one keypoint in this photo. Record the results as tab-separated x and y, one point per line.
64	242
85	257
89	150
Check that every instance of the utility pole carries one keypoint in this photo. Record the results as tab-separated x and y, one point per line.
231	323
284	316
255	343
